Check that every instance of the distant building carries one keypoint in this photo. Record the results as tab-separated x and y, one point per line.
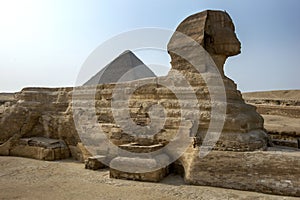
126	63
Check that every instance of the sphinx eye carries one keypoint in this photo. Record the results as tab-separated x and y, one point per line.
208	38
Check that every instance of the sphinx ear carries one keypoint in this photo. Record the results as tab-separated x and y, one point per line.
208	42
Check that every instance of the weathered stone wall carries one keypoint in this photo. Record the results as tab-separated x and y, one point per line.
274	171
241	132
39	112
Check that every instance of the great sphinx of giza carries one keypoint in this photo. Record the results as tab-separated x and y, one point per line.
237	155
215	32
241	159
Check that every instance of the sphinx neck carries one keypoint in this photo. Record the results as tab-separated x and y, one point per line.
219	61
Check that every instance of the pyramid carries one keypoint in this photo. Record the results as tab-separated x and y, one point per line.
126	63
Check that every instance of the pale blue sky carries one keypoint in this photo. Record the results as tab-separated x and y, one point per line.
45	42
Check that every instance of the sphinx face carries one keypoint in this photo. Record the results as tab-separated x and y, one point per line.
220	37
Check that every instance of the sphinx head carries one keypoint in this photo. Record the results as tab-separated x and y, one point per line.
219	35
214	31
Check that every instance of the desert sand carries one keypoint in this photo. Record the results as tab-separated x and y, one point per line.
22	178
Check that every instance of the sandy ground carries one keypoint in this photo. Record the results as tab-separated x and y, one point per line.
279	124
22	178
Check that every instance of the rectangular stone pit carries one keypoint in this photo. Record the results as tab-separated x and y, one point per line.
154	176
41	148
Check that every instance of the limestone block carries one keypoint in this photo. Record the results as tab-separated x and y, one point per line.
40	148
95	162
135	164
274	171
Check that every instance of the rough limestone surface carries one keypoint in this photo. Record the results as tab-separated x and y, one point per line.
240	159
95	162
38	112
40	148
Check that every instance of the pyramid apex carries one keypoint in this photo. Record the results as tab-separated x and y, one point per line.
127	52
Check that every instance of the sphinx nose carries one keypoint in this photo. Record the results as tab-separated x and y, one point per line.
240	45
